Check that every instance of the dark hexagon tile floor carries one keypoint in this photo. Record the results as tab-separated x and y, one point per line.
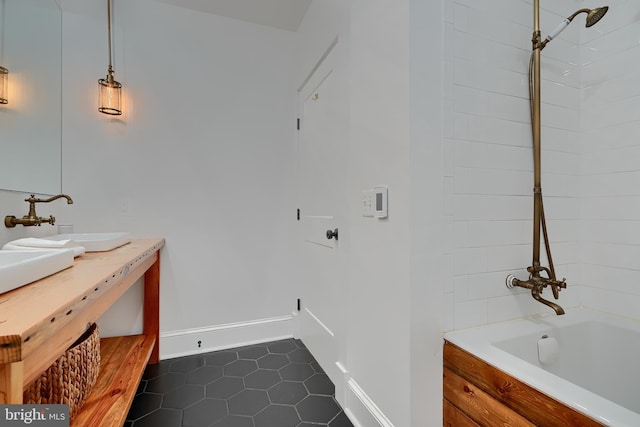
276	384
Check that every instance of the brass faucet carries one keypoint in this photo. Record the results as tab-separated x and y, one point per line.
537	283
32	218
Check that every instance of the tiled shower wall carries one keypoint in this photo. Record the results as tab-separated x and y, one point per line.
610	161
488	155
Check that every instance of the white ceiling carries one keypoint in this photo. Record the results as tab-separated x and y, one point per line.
282	14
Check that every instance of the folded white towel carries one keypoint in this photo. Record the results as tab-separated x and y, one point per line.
32	243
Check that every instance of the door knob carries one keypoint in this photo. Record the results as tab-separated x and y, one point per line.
332	233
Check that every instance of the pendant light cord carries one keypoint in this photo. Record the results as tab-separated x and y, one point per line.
109	100
109	30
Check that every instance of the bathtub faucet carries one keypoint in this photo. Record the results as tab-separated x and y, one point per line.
537	283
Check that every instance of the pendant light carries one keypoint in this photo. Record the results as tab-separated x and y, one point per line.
109	101
4	85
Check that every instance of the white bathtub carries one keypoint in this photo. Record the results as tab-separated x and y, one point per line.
595	370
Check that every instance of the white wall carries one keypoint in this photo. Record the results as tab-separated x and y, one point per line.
489	167
379	262
610	197
430	259
393	290
202	156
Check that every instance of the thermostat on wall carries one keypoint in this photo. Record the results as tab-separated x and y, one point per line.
380	202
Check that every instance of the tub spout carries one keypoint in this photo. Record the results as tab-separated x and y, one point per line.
535	293
537	283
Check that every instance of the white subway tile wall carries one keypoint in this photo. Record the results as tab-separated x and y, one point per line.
610	161
590	157
488	159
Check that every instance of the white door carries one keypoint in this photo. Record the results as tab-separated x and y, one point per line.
322	147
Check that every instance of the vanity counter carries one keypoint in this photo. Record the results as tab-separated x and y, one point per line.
39	321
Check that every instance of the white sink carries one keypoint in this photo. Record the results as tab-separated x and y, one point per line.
18	268
95	242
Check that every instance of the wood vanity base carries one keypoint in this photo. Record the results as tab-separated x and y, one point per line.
39	321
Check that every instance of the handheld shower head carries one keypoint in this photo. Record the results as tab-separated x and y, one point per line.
595	15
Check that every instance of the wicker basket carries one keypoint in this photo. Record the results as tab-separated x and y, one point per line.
70	378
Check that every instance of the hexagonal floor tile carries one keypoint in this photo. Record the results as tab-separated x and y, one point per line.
296	372
264	385
143	404
277	415
184	396
204	413
167	382
316	367
248	402
287	392
153	371
341	421
282	347
273	361
262	379
301	355
160	418
235	421
221	358
319	409
253	352
186	364
225	387
240	368
141	387
204	375
320	384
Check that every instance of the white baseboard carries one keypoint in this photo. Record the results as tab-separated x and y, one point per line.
361	410
357	405
219	337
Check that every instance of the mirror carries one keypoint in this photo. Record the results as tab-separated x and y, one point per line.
31	121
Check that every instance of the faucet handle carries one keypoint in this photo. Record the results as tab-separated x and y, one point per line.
556	285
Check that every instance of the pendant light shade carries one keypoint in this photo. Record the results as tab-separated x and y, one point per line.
4	85
109	96
109	101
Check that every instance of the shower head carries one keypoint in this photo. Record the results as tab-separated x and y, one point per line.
594	15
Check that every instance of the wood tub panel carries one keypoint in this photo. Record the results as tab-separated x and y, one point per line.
535	406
